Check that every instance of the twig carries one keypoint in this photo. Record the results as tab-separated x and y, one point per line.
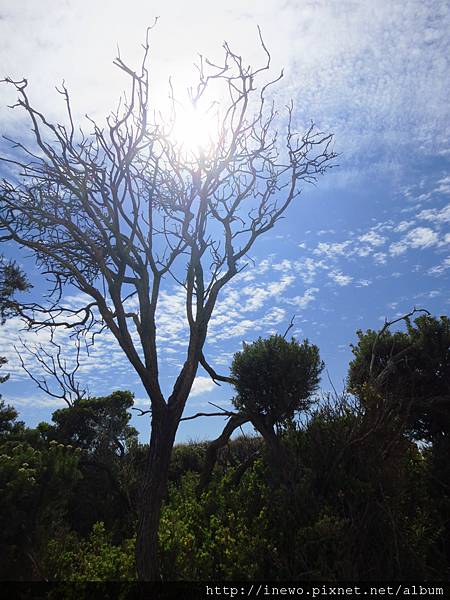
290	326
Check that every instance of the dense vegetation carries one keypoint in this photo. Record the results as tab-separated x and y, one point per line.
352	486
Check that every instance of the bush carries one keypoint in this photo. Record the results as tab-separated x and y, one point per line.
92	559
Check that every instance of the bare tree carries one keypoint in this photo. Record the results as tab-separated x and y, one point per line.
117	212
59	378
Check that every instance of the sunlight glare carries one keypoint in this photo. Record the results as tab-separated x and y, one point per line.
195	129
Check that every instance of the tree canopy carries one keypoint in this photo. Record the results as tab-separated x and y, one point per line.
275	378
409	368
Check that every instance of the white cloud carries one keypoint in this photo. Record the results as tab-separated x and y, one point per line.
420	237
238	329
379	74
172	326
398	248
273	317
439	269
257	296
325	231
362	246
373	238
362	251
276	287
443	185
304	300
263	266
380	258
308	267
436	215
33	401
202	385
340	278
284	265
332	250
403	226
431	294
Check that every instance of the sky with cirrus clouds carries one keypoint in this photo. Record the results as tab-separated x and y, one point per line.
370	241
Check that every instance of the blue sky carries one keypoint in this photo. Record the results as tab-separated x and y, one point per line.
370	241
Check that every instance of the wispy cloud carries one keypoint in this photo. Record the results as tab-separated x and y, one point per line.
439	269
378	75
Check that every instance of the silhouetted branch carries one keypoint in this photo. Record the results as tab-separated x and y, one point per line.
55	367
203	414
393	359
290	326
214	376
142	412
213	448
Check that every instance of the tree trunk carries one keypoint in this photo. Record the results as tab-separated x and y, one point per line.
278	455
154	486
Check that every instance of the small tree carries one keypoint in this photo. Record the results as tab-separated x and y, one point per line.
274	379
118	212
97	425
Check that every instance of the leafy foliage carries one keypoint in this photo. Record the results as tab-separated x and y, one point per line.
108	488
222	535
416	363
348	513
94	559
12	280
97	425
8	420
275	378
35	487
411	371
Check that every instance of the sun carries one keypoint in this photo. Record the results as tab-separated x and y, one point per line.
195	129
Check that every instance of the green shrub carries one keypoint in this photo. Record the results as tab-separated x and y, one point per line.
92	559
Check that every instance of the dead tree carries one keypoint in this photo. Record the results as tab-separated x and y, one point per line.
119	211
